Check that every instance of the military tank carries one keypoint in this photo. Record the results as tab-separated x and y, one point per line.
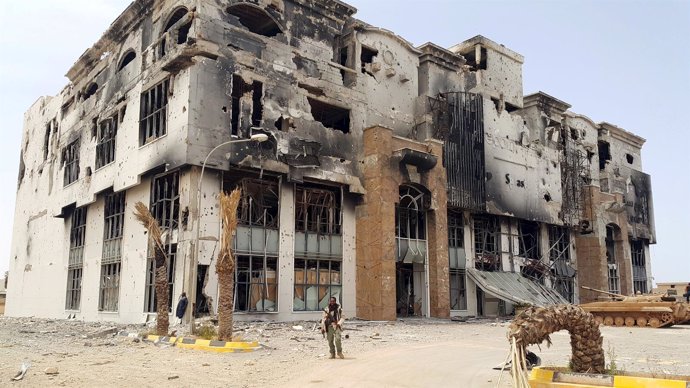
654	311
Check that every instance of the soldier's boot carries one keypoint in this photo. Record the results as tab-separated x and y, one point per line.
340	356
332	356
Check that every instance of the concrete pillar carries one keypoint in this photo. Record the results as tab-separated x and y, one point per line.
437	235
376	279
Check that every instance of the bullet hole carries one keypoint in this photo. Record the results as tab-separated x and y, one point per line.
224	109
573	134
543	181
629	158
547	197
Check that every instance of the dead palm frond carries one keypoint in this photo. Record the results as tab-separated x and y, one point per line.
144	216
535	325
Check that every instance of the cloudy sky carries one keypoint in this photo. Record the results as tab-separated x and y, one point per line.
626	62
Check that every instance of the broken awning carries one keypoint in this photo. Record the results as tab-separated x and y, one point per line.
515	288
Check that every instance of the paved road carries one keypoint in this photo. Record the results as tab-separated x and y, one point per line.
467	362
458	363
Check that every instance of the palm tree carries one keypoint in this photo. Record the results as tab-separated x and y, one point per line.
534	325
225	266
144	216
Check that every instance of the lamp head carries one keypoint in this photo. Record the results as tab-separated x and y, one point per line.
259	137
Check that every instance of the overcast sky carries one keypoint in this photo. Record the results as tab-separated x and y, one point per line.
626	62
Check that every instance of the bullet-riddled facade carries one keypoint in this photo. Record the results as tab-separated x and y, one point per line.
402	180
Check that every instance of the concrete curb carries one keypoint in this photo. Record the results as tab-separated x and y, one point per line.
208	345
545	378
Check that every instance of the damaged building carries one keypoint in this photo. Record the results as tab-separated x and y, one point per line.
404	181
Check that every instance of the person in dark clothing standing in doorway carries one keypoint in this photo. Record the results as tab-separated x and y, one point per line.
181	306
687	293
332	325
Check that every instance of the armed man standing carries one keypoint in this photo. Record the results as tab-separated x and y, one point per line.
332	324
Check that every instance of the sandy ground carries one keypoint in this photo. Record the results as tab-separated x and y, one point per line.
409	353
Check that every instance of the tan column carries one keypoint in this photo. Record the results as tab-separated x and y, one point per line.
437	230
376	229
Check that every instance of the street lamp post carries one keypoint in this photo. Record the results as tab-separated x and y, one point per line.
259	137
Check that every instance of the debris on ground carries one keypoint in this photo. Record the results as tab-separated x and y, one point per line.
22	371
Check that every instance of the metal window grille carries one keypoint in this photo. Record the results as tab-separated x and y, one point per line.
154	109
410	214
456	231
259	204
486	242
151	305
256	287
77	236
459	122
113	228
316	280
614	286
317	211
73	300
165	200
70	157
110	287
559	258
528	237
105	141
639	266
458	289
317	258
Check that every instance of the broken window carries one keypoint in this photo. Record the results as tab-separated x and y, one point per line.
112	251
110	287
456	229
257	107
317	210
458	289
90	91
528	236
255	19
259	204
367	58
487	231
639	266
127	59
70	158
318	246
256	245
457	258
476	58
105	141
410	224
182	32
154	112
50	127
239	89
77	237
165	199
171	255
611	260
604	153
559	257
316	281
330	116
256	283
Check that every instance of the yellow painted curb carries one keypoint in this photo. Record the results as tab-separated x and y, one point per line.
208	345
548	378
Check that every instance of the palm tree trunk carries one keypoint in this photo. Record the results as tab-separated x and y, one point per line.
226	284
225	266
162	317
